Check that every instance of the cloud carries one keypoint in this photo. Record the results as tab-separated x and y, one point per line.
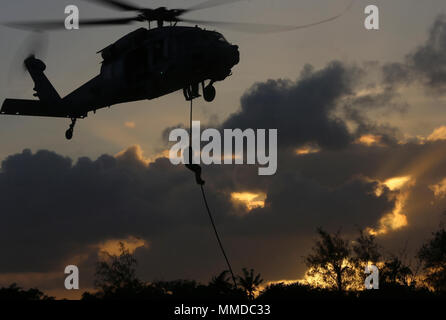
302	110
134	155
249	200
395	72
61	212
113	246
130	124
369	139
426	64
439	189
429	60
57	209
438	134
396	219
317	109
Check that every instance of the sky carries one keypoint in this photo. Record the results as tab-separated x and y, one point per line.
360	116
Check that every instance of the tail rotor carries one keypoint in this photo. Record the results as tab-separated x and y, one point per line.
34	45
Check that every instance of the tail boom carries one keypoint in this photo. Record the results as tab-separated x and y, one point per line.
36	108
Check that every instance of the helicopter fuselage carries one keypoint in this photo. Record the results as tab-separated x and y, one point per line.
147	64
144	64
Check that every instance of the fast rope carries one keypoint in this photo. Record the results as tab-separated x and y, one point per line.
197	170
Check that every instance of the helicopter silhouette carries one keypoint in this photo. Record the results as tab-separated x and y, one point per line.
145	64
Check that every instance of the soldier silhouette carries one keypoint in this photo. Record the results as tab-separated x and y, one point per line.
195	168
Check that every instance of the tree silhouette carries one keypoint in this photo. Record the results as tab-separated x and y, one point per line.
178	288
366	251
249	282
433	256
333	259
283	292
14	292
395	273
116	274
330	260
221	283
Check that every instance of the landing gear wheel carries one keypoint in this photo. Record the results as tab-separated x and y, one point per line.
209	93
69	134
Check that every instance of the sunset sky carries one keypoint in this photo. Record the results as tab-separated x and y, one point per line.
361	117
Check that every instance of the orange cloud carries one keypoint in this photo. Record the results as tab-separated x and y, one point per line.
396	183
395	219
439	189
307	150
249	200
131	243
135	152
438	134
369	140
129	124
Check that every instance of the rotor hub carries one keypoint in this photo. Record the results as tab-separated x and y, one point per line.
161	14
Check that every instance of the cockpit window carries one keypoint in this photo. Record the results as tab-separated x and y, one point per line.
217	36
221	38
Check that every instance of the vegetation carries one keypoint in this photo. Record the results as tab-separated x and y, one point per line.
335	270
249	282
433	256
330	261
14	292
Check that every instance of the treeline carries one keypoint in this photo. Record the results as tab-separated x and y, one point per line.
336	268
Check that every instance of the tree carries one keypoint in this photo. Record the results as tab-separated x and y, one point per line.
221	283
366	251
116	274
395	273
14	292
285	292
433	257
330	260
249	282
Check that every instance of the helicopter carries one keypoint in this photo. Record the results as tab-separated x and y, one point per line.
147	63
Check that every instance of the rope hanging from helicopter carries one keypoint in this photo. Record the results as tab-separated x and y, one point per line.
197	170
190	96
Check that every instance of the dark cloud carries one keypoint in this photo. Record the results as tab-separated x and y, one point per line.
56	210
388	134
302	111
317	107
426	64
396	72
429	60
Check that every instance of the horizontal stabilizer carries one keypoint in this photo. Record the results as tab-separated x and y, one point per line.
34	108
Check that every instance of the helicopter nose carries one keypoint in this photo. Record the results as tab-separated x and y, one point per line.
235	55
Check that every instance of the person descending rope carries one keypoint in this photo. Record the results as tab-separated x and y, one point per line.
195	168
190	94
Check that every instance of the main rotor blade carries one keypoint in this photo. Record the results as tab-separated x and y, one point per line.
243	27
107	22
53	25
118	4
211	4
263	28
